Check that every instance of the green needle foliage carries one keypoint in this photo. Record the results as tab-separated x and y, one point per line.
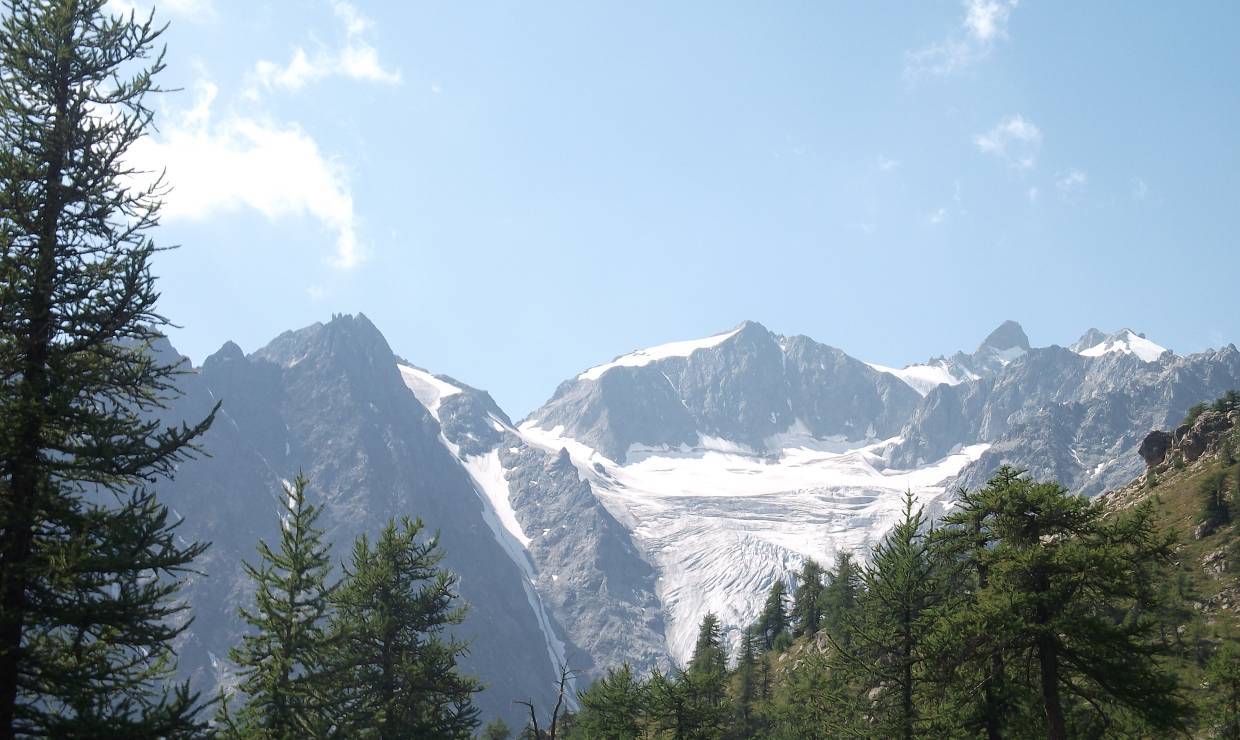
89	563
807	600
283	661
1026	612
1223	683
887	652
396	671
1063	593
773	622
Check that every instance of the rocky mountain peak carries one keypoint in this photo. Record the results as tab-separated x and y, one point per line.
1008	335
1091	338
229	352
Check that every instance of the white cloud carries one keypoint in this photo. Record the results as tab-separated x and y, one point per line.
937	217
1139	189
1015	140
355	60
985	22
1032	194
1072	181
887	164
244	162
192	9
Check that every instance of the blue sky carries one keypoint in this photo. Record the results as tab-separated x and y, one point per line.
516	191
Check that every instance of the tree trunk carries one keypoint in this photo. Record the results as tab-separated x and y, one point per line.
1048	660
994	684
906	688
24	468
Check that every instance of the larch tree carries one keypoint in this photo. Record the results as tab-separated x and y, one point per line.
887	652
89	563
396	671
807	600
1064	593
283	660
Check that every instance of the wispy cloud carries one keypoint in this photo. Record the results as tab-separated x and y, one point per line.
1140	190
886	164
1015	140
192	9
355	59
937	217
1072	181
241	161
984	24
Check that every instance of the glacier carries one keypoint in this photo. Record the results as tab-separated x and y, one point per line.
721	522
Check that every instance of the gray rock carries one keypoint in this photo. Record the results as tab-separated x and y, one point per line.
1153	449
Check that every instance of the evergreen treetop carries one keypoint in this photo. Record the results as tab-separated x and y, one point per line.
89	563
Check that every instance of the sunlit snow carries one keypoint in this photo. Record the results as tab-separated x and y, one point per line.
1129	342
428	389
721	523
925	378
646	356
487	474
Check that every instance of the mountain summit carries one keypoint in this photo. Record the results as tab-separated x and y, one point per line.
1008	335
669	482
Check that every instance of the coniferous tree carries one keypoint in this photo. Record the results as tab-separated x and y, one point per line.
807	600
670	706
496	729
746	683
815	702
707	675
396	671
89	564
887	652
612	708
773	622
839	598
1223	684
1063	595
283	661
961	544
1212	494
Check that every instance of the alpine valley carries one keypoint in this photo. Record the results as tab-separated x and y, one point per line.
648	490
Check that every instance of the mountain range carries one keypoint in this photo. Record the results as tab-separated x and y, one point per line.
648	490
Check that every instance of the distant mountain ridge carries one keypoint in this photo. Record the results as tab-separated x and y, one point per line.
649	489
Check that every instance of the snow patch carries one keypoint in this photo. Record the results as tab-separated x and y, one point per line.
1128	342
925	378
721	523
646	356
429	390
488	475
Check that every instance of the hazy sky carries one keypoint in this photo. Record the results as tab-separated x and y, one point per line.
516	191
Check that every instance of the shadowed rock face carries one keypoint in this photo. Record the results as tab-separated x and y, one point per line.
751	386
328	400
1056	413
1153	449
550	572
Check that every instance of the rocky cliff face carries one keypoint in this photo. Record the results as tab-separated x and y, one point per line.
329	400
744	386
1059	413
668	482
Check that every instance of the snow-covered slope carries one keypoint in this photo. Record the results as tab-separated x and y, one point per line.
1126	341
721	522
926	377
643	357
486	473
651	489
